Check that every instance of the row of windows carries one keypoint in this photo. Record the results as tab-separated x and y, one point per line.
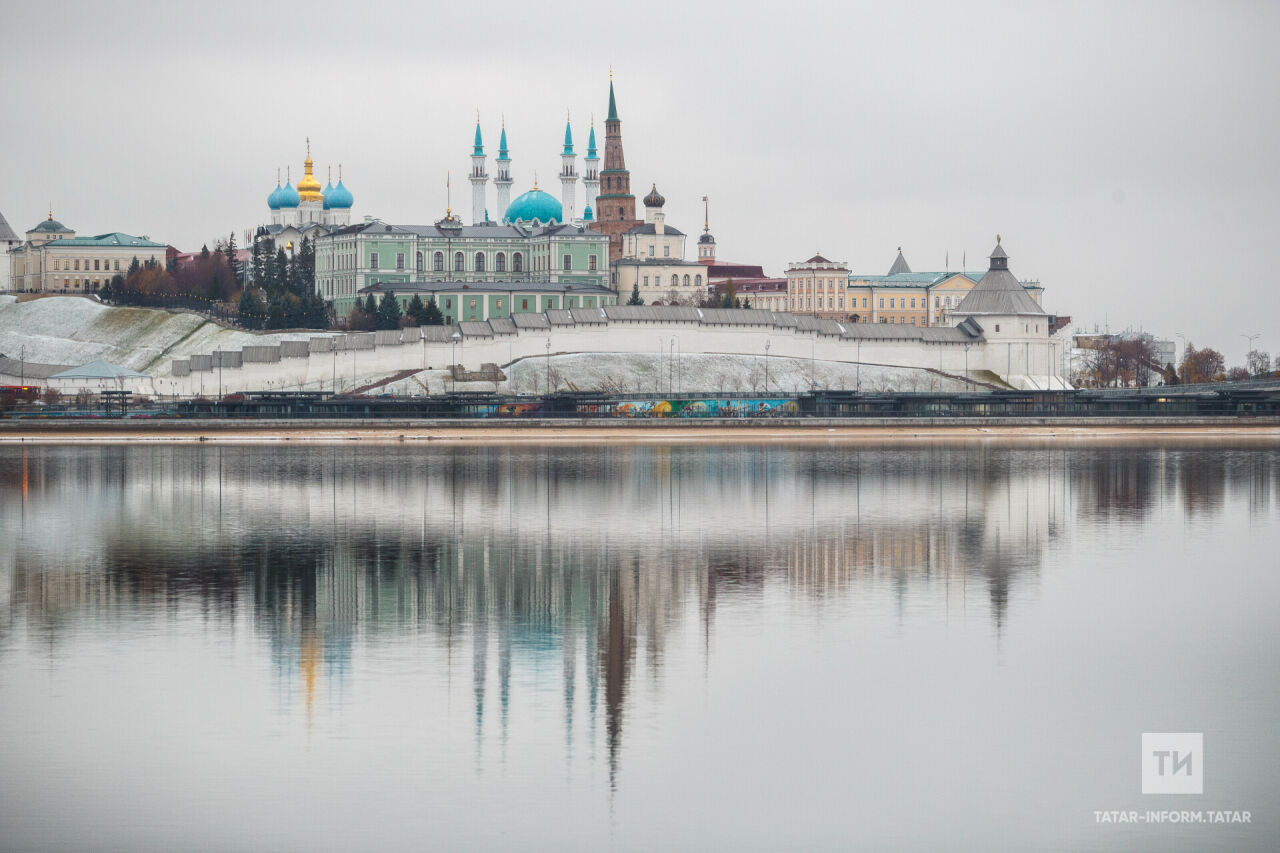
69	264
480	263
675	281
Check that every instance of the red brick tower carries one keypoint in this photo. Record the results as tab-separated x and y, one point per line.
615	211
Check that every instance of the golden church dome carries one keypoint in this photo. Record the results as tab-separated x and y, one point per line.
309	188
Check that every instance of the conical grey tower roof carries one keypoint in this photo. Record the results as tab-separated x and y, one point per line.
899	264
6	233
998	292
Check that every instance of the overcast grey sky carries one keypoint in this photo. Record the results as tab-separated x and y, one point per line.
1127	152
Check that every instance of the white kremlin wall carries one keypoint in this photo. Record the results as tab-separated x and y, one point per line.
179	359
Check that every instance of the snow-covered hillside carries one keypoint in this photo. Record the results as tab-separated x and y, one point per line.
73	330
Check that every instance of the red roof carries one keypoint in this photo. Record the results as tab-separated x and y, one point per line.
735	270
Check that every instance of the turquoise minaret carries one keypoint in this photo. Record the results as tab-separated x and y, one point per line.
591	170
568	175
503	180
479	177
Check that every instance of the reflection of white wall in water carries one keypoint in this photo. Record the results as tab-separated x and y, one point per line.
887	510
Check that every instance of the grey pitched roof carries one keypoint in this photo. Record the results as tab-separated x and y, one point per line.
651	313
998	292
650	228
899	264
6	233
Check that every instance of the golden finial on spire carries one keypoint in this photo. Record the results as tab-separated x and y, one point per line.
477	115
566	114
448	194
997	239
50	211
308	147
277	175
504	121
610	72
706	216
288	174
339	173
330	179
535	179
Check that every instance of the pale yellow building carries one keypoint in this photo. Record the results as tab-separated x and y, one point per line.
824	288
54	260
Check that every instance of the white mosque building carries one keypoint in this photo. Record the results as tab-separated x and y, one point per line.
537	206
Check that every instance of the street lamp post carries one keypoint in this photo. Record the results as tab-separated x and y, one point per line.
859	371
548	366
453	375
1250	339
967	380
335	367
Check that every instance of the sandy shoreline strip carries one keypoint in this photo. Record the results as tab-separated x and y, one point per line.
614	432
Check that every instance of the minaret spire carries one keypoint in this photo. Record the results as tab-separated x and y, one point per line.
591	171
479	177
568	174
503	179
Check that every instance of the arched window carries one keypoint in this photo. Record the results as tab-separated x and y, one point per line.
458	262
419	262
479	261
439	262
675	281
697	280
686	281
517	262
500	263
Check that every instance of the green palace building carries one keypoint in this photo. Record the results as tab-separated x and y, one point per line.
531	261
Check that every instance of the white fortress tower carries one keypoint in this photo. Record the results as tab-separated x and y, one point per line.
479	178
569	176
503	180
591	168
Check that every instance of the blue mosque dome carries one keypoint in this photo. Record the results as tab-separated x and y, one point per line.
339	197
273	200
328	188
535	204
288	196
588	215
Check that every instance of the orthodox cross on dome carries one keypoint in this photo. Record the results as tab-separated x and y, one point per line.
706	216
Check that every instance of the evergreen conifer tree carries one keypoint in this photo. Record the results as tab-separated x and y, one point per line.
635	295
432	315
371	306
416	310
389	312
251	308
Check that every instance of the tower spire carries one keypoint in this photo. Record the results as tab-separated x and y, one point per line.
479	178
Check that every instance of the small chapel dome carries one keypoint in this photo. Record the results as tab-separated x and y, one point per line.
654	198
328	190
339	197
273	200
535	204
288	196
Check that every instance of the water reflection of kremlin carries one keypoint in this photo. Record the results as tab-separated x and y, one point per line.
555	561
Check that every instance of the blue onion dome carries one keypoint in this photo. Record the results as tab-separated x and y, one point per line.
273	200
289	196
328	188
535	205
588	215
339	197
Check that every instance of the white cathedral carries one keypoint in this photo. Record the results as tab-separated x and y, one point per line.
306	211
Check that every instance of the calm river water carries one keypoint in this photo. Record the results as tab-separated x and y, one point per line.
734	647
